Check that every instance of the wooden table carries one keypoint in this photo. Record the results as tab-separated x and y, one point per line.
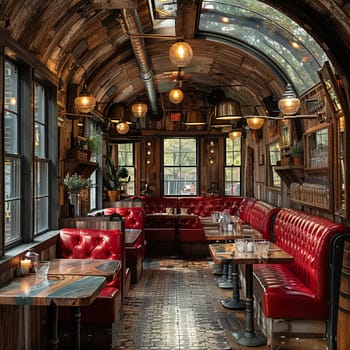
52	292
85	267
105	268
131	236
226	252
176	218
214	234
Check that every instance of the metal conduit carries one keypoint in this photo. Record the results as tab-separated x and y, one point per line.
133	26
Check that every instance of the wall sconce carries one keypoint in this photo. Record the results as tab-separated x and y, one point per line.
84	103
148	152
180	54
289	104
176	95
139	109
211	152
255	122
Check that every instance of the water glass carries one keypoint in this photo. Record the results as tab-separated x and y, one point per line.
240	245
42	269
169	211
262	248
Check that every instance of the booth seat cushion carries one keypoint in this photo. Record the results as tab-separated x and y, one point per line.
302	285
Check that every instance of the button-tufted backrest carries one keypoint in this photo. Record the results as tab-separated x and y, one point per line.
78	243
244	209
205	206
307	238
154	205
261	217
134	218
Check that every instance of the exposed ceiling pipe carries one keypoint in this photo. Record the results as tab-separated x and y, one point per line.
132	25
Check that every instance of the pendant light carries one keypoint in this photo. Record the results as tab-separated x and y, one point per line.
176	95
180	54
234	134
228	110
139	109
254	122
289	104
84	103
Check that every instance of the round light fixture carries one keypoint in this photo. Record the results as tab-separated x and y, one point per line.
289	104
255	122
176	95
122	127
180	54
139	109
234	134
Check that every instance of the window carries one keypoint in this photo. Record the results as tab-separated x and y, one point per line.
180	166
12	166
274	153
126	159
233	158
41	170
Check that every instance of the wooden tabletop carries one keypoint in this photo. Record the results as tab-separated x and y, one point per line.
173	216
60	290
131	236
225	252
85	267
215	234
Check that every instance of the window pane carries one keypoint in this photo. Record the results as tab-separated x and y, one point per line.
41	179
39	140
180	166
12	223
275	156
41	216
11	108
233	156
40	121
126	159
12	178
12	193
11	84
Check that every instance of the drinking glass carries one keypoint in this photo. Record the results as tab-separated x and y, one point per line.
42	269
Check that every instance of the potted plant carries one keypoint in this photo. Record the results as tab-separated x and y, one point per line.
123	178
111	181
298	152
75	183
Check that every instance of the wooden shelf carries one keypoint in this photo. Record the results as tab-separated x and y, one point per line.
311	205
77	163
290	173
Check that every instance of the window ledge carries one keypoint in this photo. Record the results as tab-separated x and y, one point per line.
24	247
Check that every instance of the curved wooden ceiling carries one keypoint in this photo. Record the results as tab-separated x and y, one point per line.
66	34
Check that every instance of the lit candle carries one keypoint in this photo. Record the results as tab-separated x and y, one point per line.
25	266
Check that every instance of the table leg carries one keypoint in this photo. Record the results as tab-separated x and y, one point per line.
227	284
250	337
52	316
76	315
234	303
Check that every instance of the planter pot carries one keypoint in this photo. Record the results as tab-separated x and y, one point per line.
113	195
297	160
75	199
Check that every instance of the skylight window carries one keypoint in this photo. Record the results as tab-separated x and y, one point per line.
267	31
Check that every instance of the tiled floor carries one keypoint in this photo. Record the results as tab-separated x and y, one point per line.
176	306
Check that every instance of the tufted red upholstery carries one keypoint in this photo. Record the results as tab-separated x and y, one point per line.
245	207
261	216
74	243
298	290
134	218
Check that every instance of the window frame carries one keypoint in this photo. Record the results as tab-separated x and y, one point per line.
192	191
232	166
